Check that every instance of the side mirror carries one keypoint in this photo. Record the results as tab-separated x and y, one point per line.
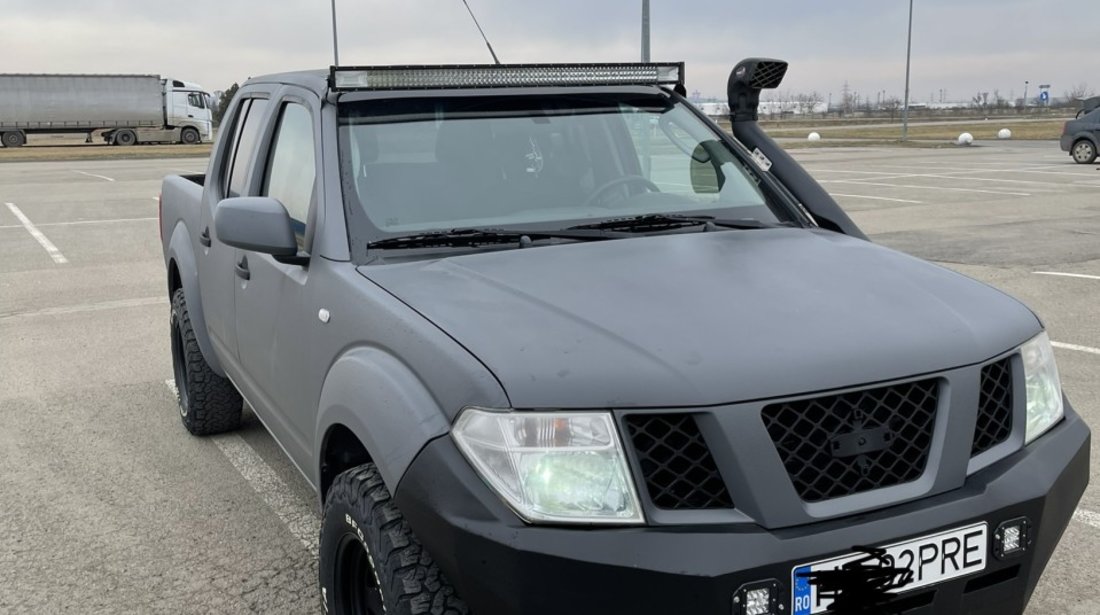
257	224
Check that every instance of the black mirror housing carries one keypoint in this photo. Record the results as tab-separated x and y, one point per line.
256	224
745	82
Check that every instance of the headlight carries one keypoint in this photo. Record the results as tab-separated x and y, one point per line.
1044	389
557	467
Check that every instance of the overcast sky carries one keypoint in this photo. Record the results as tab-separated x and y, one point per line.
963	46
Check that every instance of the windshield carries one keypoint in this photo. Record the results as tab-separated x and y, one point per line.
549	162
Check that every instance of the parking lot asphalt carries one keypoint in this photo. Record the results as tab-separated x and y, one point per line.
108	506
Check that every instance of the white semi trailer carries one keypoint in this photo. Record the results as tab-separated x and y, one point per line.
127	109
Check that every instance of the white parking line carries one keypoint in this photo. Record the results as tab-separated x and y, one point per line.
877	198
298	517
857	182
1087	517
79	222
42	240
103	177
1068	275
1076	347
953	176
87	307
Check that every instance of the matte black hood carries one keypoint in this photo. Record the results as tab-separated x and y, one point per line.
706	318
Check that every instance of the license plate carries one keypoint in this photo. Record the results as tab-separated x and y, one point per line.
932	559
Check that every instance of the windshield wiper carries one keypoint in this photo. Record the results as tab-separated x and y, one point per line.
473	237
667	222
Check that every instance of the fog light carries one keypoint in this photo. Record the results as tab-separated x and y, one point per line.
1012	538
758	598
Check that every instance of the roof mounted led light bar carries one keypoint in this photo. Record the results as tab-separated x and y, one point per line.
345	78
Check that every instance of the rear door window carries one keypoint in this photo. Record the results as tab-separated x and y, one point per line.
245	148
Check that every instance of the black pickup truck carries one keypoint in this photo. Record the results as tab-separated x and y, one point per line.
546	340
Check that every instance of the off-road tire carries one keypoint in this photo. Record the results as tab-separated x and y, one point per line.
360	518
13	138
208	403
190	136
125	138
1084	152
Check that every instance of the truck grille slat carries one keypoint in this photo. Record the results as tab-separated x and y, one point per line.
845	444
995	407
677	467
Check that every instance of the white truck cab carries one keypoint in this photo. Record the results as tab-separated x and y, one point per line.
187	104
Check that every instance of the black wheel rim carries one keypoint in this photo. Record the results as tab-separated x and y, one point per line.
356	581
178	367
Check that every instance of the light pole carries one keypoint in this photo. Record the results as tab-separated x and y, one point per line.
335	45
645	31
908	64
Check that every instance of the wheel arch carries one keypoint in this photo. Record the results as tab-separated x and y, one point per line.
341	450
373	408
1085	136
181	260
196	129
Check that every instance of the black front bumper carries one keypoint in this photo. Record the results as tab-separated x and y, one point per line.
501	566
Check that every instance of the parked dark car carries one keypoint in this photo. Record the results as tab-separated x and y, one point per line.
1081	137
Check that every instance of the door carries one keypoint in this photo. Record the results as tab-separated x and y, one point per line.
216	261
277	312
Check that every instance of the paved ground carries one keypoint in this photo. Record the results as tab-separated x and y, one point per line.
106	505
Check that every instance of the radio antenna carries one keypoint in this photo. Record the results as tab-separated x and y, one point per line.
485	38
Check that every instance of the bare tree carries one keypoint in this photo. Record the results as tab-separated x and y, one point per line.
1078	92
806	103
980	101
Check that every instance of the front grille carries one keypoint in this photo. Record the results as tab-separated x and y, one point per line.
679	471
994	407
854	442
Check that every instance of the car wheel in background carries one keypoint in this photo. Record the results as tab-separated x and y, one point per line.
125	137
13	139
1084	152
189	136
370	561
208	403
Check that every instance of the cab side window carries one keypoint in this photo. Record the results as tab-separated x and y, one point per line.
195	100
292	169
251	116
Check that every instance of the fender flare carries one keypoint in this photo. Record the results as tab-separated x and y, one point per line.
380	400
1085	135
182	253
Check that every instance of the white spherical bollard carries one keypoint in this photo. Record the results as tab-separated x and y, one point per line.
814	136
965	139
1004	134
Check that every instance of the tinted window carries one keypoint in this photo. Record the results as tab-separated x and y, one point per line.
246	146
292	169
195	100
